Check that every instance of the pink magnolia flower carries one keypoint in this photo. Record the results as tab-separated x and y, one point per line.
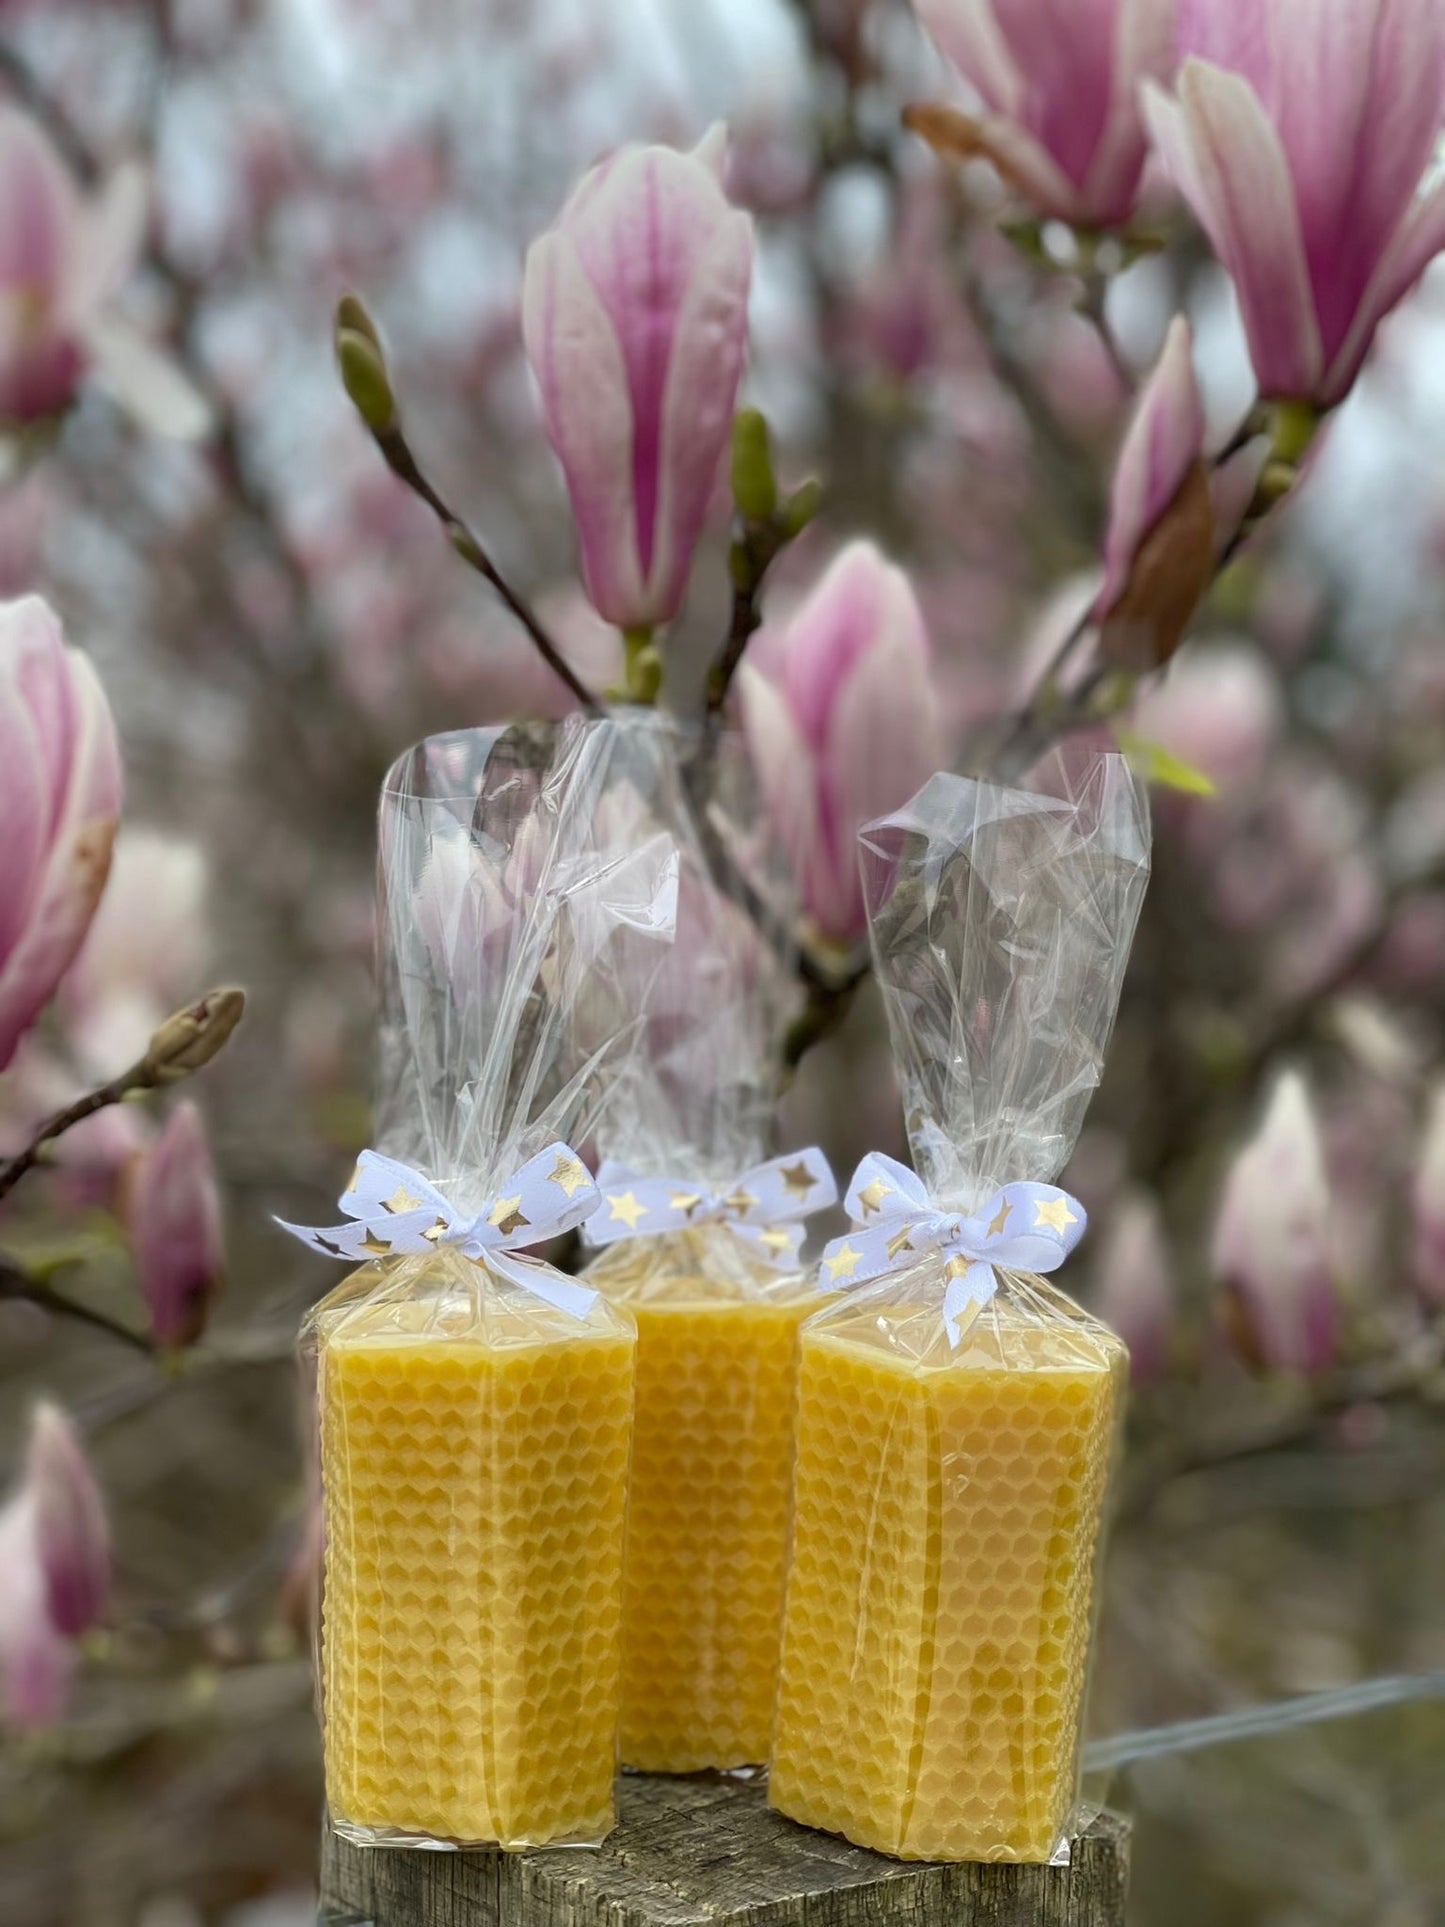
70	1524
1060	90
36	1660
1300	136
1428	1199
60	786
173	1214
634	316
1219	710
64	257
1159	548
144	954
1272	1239
843	727
1134	1291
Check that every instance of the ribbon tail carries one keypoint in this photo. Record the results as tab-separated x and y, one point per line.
967	1292
533	1275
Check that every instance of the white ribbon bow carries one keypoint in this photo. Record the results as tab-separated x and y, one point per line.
394	1212
1024	1227
764	1208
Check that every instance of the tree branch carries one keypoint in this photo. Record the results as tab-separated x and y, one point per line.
17	1284
184	1043
397	454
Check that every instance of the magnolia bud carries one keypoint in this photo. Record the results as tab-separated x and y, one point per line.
192	1037
755	486
362	362
70	1524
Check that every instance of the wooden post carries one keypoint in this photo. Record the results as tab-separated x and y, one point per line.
704	1852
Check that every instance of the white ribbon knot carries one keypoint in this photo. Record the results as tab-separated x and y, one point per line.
1024	1227
764	1207
394	1211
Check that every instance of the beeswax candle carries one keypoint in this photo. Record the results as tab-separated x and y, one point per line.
708	1513
474	1470
947	1513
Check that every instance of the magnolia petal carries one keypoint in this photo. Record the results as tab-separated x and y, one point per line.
82	799
1164	440
1226	159
883	744
577	361
966	33
704	371
152	388
712	150
36	1662
1144	49
23	784
1415	245
785	767
72	1534
1357	98
39	208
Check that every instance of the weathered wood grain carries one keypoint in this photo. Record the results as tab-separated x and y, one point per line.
705	1851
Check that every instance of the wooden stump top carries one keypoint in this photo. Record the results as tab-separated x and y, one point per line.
706	1851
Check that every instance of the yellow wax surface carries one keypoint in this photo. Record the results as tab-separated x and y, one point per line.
939	1603
707	1523
475	1496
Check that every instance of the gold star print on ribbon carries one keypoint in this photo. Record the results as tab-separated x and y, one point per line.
401	1200
776	1240
378	1247
1055	1214
872	1195
569	1172
506	1215
684	1201
1000	1219
626	1209
740	1201
843	1263
797	1178
900	1242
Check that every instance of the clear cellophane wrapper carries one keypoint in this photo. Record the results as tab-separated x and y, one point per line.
951	1484
473	1437
691	1099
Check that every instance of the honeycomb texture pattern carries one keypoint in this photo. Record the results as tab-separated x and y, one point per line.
707	1527
471	1623
939	1604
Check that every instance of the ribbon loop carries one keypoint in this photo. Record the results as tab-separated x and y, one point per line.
765	1207
1024	1227
393	1211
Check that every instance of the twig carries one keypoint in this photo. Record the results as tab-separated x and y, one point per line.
755	548
14	1283
183	1044
34	98
76	1113
1377	1382
1092	305
403	464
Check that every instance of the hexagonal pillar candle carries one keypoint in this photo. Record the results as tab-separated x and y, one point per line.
940	1599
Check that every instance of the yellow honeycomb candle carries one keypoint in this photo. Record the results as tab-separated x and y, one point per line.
939	1607
708	1514
474	1463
